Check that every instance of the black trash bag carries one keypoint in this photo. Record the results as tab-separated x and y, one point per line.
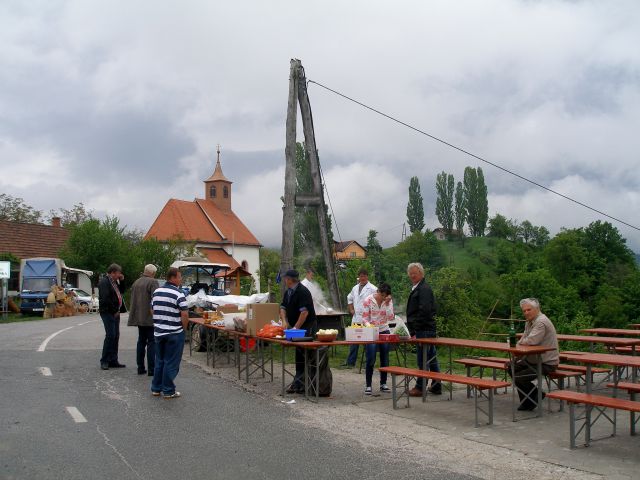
326	377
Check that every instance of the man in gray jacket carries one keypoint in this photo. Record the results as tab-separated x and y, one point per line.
141	316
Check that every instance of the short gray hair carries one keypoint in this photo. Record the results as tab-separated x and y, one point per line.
150	269
534	302
415	265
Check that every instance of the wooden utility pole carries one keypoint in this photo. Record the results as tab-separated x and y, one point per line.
313	199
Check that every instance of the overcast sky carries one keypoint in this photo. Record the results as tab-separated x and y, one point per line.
120	104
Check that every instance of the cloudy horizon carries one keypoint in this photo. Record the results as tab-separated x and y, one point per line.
120	106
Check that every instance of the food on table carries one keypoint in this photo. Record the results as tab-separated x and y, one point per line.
327	331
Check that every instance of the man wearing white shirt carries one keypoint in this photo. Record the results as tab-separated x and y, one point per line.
354	301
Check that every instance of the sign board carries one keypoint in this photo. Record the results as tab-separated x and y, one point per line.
5	269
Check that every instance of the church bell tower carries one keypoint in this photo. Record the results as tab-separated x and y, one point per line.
217	188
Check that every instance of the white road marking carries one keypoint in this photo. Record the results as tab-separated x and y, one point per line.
76	415
46	371
84	323
43	345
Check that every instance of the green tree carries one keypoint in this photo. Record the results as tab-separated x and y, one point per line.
458	315
499	226
14	209
540	236
269	267
460	211
374	252
444	203
527	231
73	216
415	208
475	193
604	241
568	261
95	244
307	247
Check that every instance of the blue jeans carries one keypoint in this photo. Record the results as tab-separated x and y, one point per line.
111	324
168	355
432	359
370	354
352	359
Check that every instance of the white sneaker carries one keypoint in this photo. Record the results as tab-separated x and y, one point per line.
368	391
173	395
384	388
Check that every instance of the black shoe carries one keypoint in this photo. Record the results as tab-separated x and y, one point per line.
104	365
347	365
294	389
116	365
141	371
150	373
527	407
436	389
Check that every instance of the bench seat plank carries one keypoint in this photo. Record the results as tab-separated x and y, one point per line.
595	400
480	383
630	387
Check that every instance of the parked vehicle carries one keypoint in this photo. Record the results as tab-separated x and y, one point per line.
38	275
85	299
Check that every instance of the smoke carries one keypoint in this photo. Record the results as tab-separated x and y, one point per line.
320	303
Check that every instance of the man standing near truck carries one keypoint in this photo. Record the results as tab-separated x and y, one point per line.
110	305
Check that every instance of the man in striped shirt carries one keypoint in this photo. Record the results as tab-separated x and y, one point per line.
170	319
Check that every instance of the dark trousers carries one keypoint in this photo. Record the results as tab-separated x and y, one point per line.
370	355
298	380
111	324
526	373
352	359
167	364
146	345
432	359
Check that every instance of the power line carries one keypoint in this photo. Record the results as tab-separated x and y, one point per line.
466	152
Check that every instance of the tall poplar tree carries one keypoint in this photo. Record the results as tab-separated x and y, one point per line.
477	206
415	208
444	203
460	210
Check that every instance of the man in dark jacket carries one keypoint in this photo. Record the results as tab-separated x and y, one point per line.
111	304
141	316
421	311
297	311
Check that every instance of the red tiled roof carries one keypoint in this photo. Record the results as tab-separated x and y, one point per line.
200	221
28	240
218	255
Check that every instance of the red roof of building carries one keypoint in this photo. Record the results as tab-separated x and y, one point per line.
200	221
342	246
29	240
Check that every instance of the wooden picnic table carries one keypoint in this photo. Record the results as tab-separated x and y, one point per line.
590	359
517	351
607	341
613	332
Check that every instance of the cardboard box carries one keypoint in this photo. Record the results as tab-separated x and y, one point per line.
364	334
261	314
230	308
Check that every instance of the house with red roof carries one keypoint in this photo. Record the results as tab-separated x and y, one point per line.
30	240
211	226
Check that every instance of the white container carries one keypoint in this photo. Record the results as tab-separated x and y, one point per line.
361	334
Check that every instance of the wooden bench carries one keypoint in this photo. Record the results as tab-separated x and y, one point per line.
480	385
481	364
629	387
598	402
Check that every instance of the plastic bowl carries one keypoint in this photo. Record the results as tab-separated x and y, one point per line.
294	333
326	338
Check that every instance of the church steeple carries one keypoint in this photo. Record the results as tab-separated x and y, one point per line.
218	187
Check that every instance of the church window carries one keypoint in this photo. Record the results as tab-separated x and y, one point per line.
212	191
225	191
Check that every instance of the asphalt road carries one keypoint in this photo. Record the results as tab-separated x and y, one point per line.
216	430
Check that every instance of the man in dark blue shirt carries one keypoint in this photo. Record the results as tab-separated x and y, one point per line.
296	311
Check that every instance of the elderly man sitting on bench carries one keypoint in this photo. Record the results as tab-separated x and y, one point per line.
538	331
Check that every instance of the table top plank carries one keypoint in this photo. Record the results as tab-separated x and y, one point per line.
612	332
602	359
616	341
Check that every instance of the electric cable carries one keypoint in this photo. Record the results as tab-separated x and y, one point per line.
477	157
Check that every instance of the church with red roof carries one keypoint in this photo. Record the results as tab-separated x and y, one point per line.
209	224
